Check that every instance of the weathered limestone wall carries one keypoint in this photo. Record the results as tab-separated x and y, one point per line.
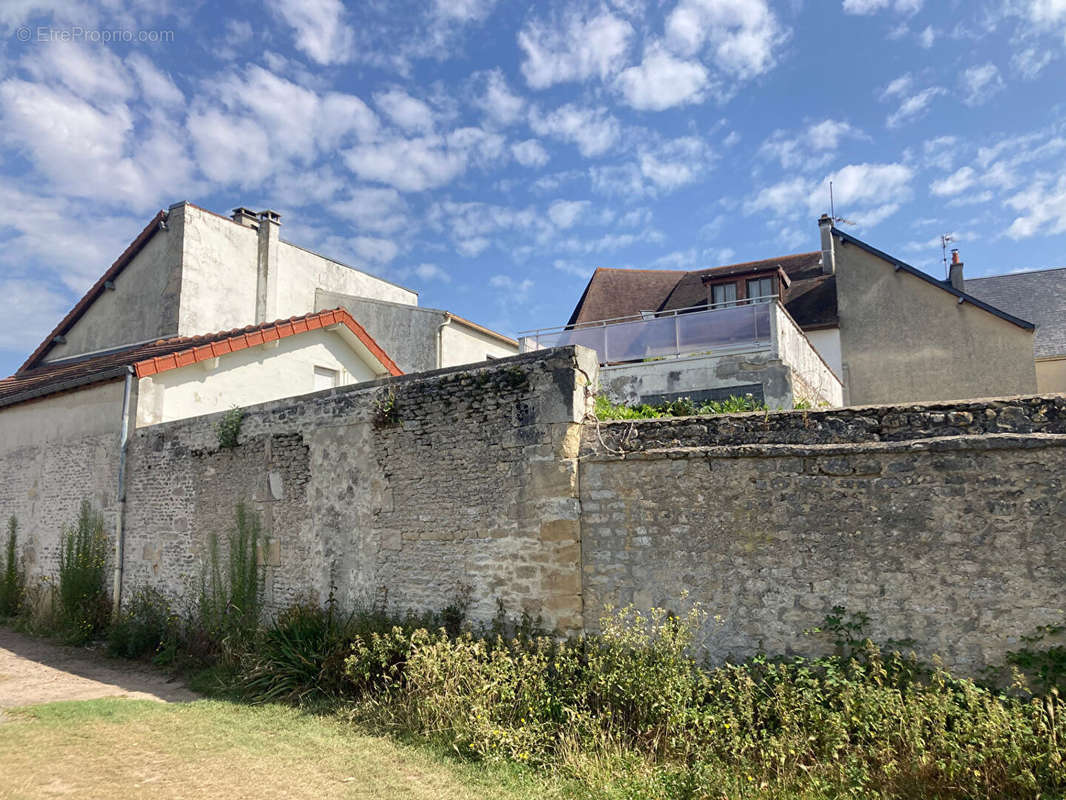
945	524
55	452
474	483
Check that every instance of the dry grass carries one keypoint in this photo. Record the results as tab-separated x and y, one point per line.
131	749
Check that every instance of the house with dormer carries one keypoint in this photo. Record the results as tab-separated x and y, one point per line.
847	324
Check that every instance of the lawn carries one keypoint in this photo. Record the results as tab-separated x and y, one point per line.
132	748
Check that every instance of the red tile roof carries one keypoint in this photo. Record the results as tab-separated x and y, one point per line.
165	354
82	305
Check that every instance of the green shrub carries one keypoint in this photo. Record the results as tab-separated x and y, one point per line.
82	592
145	626
13	578
1043	662
300	657
629	712
228	429
231	589
682	407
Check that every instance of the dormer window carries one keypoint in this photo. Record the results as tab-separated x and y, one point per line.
723	295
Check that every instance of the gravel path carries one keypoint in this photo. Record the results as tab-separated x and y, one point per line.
36	671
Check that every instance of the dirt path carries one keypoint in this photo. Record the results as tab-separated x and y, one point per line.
35	671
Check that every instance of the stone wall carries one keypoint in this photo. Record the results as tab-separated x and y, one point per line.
473	483
944	523
55	452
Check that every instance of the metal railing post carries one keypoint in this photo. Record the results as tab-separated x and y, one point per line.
677	335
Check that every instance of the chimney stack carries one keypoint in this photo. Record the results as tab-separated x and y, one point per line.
266	294
955	272
245	216
825	227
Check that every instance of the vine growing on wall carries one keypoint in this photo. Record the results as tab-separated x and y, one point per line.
228	429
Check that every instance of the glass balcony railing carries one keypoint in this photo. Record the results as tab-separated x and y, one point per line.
669	334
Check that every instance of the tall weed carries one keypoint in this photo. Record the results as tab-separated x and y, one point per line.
82	591
231	588
13	578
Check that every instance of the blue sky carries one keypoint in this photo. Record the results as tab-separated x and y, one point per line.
490	155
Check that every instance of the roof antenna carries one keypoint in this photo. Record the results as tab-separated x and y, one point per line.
832	211
944	239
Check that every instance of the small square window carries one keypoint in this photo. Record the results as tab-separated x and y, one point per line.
326	378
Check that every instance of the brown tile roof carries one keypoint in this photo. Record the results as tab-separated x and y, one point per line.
165	354
623	292
97	288
810	299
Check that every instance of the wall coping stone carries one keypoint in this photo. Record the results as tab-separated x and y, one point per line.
857	426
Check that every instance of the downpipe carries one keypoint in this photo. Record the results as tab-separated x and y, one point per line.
120	531
440	339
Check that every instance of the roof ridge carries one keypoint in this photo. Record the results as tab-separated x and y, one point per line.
1017	272
254	327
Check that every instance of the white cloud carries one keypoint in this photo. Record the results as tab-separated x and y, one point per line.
564	213
496	99
898	87
927	37
783	198
940	152
407	112
862	189
1046	13
373	209
674	163
812	148
431	272
1043	209
865	193
873	6
517	290
662	81
320	29
740	36
88	149
37	228
980	83
472	247
94	74
1031	61
342	116
230	150
956	183
593	130
156	86
426	162
530	153
374	249
463	10
29	309
574	49
914	106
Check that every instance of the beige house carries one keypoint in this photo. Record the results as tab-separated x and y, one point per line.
1038	295
846	324
204	312
187	376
